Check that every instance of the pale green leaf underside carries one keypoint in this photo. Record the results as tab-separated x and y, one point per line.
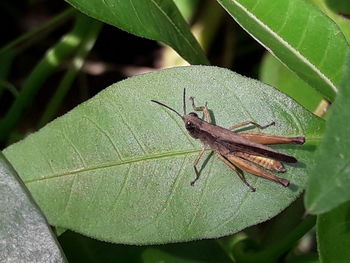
118	167
299	35
25	235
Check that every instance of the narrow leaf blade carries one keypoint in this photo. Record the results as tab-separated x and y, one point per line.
154	19
299	35
329	178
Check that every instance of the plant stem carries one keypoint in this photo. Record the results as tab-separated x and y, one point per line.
75	66
28	38
41	72
270	254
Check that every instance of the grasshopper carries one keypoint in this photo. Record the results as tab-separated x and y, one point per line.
242	150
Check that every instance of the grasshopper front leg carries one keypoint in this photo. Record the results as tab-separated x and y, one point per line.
201	108
196	161
245	123
208	119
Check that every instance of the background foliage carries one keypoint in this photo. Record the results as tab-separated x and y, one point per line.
117	167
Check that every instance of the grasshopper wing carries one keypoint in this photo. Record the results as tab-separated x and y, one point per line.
246	146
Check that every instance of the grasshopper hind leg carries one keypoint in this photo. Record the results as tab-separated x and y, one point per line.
240	174
252	169
265	162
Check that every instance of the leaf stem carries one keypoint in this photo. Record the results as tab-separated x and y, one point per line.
242	253
28	38
41	72
75	66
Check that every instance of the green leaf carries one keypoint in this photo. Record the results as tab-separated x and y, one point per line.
187	8
306	258
274	73
154	19
299	35
333	235
340	6
119	167
329	178
47	65
25	235
342	21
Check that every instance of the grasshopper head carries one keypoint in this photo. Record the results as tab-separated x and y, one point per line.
192	124
191	120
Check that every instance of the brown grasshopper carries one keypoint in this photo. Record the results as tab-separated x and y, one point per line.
237	150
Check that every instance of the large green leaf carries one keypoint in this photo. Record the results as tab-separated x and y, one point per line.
118	167
333	231
274	73
155	19
25	235
330	177
299	35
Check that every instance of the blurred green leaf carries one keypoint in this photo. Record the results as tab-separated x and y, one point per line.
246	251
155	19
342	22
299	35
280	226
340	6
53	58
187	8
307	258
274	73
76	247
119	167
77	62
25	235
330	177
333	231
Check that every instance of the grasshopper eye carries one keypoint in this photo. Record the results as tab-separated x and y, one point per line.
193	114
189	125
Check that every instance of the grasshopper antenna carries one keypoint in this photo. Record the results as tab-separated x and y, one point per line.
184	101
166	106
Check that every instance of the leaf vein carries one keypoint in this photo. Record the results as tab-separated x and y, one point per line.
74	148
124	183
107	136
133	134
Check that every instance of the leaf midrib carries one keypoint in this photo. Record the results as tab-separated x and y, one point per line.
107	165
310	140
